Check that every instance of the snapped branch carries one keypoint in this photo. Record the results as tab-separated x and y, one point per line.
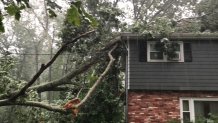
100	78
45	66
86	66
50	86
55	108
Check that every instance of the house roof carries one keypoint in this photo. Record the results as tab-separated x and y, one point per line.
173	36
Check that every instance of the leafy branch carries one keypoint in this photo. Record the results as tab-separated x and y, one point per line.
12	100
45	66
101	77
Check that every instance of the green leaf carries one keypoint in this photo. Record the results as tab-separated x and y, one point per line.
73	16
2	29
13	10
51	13
80	11
90	18
17	16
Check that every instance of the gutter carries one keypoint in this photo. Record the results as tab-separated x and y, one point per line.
172	36
127	82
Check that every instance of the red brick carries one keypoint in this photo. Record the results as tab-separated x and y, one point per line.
158	107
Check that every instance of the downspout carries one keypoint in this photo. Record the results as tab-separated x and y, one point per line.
127	80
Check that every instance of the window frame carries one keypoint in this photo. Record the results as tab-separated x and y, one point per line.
181	53
191	106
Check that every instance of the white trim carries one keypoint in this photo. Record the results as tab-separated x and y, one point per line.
191	106
181	109
181	53
192	110
199	99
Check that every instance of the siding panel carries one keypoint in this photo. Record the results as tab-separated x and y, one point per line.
200	74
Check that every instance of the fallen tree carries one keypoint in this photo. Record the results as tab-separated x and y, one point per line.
13	98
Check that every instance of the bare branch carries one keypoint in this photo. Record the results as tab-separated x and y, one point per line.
191	19
77	96
148	7
44	67
163	8
39	20
101	77
139	14
64	88
50	107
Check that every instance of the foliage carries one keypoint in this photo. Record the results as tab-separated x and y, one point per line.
106	106
161	26
13	9
188	26
148	10
200	119
167	47
7	82
208	12
212	118
173	121
75	13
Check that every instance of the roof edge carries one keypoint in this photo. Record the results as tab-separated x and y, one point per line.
173	36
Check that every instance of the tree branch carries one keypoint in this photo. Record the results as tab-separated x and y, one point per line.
88	64
140	15
35	104
163	8
67	78
55	108
64	88
101	77
44	67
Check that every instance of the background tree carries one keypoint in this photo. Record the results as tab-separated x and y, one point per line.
207	11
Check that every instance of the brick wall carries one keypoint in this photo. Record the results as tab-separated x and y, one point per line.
158	107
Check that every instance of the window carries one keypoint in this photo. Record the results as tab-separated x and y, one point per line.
153	55
198	109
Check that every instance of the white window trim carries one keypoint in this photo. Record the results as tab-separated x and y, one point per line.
165	57
191	106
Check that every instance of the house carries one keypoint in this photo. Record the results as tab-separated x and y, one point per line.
160	90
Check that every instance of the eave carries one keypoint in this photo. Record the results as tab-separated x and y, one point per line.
173	37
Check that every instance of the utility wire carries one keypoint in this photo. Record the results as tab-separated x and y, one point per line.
35	54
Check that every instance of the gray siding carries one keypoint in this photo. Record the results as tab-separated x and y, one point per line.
200	74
